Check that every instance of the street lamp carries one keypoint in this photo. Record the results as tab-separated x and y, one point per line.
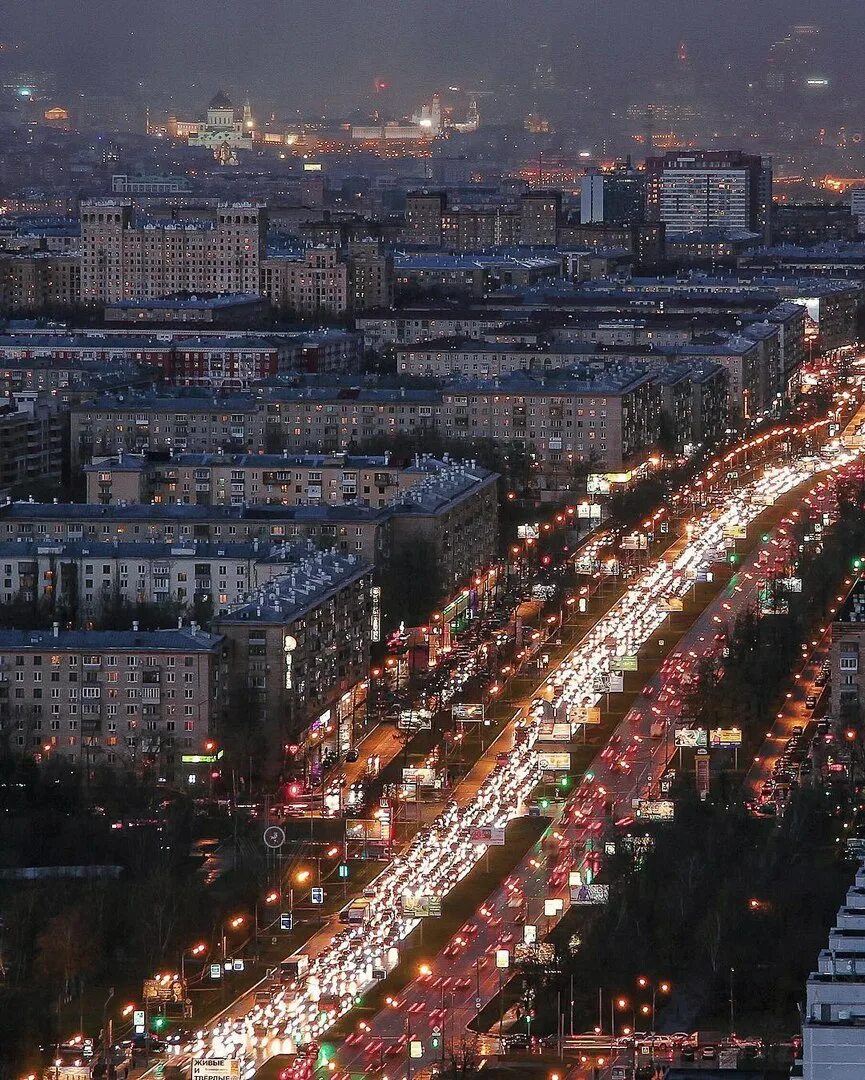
196	950
662	987
271	898
231	924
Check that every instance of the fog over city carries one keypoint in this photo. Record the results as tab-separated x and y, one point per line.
324	56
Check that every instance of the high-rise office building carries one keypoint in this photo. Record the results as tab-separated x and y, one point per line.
705	189
613	198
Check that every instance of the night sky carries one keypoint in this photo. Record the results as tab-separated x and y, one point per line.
325	53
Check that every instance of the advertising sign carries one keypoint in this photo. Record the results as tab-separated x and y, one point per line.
468	714
553	760
415	720
488	834
691	738
597	484
725	737
590	894
421	907
538	952
543	592
555	731
601	683
364	830
215	1068
581	714
164	990
530	933
673	603
654	809
552	906
735	532
423	776
529	532
624	663
617	683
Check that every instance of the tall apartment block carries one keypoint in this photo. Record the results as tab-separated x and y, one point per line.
125	256
709	189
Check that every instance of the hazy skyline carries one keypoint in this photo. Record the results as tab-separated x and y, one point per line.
308	54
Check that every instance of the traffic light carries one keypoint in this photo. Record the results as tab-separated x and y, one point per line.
158	1023
857	564
435	1042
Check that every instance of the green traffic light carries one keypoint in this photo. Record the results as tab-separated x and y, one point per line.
545	803
159	1023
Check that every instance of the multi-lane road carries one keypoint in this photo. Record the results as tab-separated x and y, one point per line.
443	854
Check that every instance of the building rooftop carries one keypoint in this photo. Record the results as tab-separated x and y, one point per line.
143	462
183	639
190	303
306	585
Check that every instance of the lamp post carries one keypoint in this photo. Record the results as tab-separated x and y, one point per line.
271	898
231	924
196	950
662	987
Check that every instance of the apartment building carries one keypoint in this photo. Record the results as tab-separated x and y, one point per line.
314	418
833	1034
316	284
32	444
300	648
124	257
237	479
79	577
604	416
700	189
329	280
847	647
37	281
131	699
453	506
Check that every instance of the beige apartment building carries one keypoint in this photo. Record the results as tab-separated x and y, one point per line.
129	699
453	506
128	258
301	648
237	479
78	577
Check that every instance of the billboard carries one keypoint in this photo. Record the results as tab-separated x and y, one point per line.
163	990
553	760
735	532
537	952
363	830
582	714
624	663
421	907
468	714
423	776
590	894
488	834
691	738
415	720
654	809
725	737
215	1068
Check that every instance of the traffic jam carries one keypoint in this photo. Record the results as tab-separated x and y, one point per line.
442	853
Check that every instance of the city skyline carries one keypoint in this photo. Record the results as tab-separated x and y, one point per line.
328	59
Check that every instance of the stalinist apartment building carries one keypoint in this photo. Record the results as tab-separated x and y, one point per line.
125	256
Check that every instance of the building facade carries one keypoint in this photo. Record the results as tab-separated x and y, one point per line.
123	258
300	651
130	699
